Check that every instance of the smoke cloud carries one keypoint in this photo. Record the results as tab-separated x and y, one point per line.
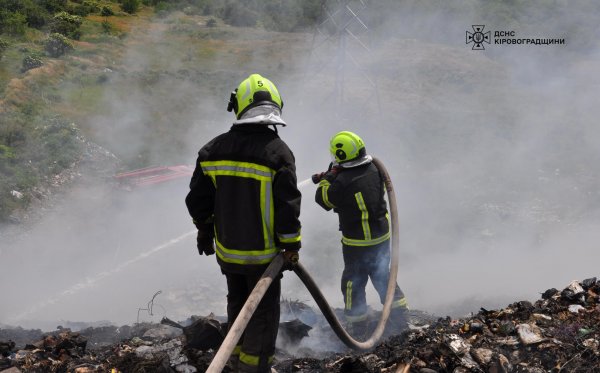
492	153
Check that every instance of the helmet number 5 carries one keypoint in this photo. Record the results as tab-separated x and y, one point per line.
259	83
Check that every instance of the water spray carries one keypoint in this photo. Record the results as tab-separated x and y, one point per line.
91	281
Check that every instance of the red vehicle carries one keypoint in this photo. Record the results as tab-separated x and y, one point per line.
153	175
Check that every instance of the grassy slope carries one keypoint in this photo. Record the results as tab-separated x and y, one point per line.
144	89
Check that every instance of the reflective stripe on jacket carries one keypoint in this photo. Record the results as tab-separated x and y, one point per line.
357	196
244	187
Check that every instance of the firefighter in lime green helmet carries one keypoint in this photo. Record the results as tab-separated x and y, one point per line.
245	202
354	189
256	93
347	146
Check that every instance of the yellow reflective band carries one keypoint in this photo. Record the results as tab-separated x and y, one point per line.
349	295
324	184
365	215
355	242
253	360
239	169
236	350
263	256
289	238
400	303
248	90
265	176
266	208
249	359
213	178
358	318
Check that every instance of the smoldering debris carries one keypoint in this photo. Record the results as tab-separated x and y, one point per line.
558	332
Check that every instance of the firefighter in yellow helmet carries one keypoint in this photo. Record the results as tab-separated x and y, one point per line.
354	189
245	203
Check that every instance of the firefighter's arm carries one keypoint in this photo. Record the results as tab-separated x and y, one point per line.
200	202
326	195
286	199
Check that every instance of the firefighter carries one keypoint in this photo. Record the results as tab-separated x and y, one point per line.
245	202
354	189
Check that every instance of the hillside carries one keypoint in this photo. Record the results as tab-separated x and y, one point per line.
173	60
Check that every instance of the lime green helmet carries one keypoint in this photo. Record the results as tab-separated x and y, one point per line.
255	90
347	146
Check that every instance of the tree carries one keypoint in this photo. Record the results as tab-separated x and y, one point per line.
12	23
130	6
106	11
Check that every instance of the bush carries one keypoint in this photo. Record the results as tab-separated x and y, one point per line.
67	25
92	5
130	6
37	17
106	11
12	23
3	47
211	22
80	10
31	62
163	6
191	11
60	145
6	152
236	14
32	148
54	6
56	45
106	27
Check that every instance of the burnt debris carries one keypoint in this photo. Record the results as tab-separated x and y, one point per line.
560	332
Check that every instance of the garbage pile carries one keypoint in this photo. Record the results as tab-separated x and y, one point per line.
558	333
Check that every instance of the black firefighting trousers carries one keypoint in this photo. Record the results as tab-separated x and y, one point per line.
360	264
256	347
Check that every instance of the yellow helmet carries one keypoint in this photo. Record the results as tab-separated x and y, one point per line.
253	91
346	146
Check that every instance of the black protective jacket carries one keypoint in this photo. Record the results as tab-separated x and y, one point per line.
357	195
244	187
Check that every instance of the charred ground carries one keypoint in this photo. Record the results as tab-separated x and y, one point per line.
558	332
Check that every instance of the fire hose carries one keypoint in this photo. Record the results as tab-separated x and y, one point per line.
235	331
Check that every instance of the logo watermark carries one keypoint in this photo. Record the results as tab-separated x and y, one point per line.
478	37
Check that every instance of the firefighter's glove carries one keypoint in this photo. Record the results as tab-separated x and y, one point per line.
332	173
328	175
205	242
291	259
316	178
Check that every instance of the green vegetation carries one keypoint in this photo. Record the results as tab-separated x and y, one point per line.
56	45
67	25
107	11
130	6
95	66
3	47
33	147
31	62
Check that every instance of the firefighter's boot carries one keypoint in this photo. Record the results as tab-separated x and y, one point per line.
398	321
358	329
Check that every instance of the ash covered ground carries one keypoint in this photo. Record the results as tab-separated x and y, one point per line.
557	333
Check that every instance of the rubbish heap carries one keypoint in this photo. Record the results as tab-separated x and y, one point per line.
558	333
